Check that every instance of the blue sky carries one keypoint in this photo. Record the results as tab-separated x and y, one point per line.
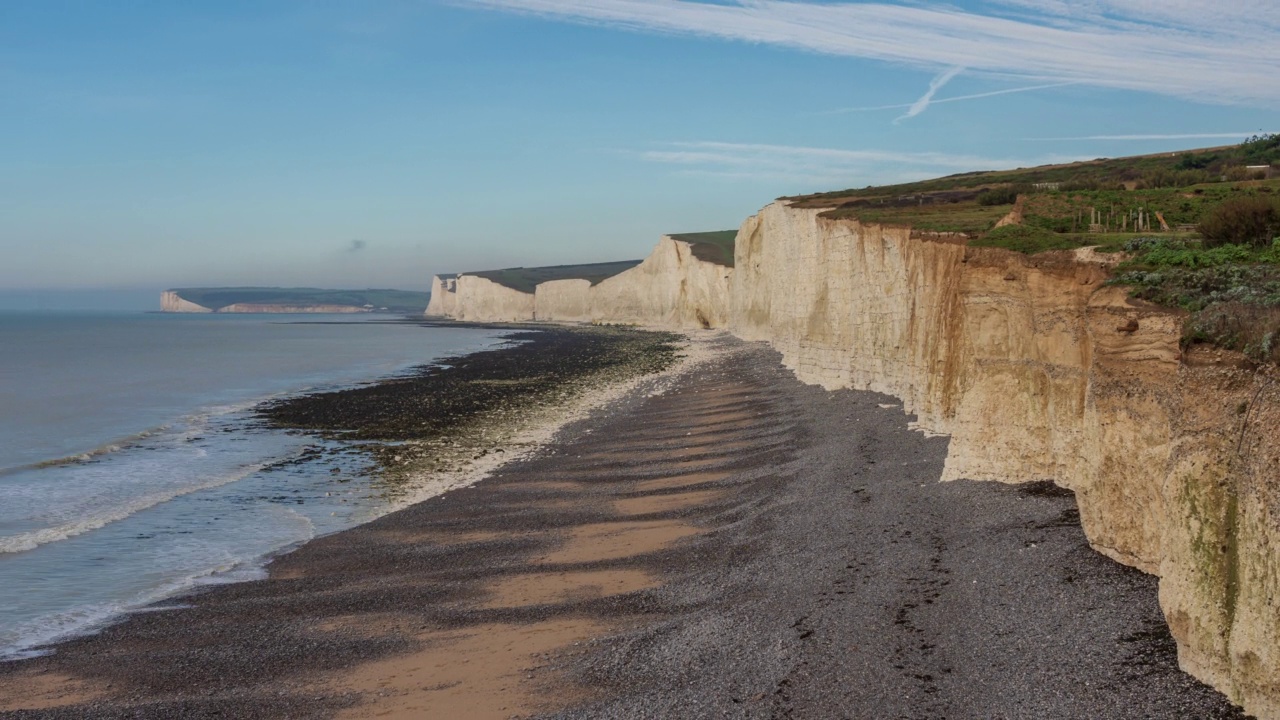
374	143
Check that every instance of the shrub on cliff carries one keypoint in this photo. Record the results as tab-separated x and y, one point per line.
1027	239
1241	221
1250	329
1000	195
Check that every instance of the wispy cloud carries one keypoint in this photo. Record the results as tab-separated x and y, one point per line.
817	165
1177	48
935	85
1179	136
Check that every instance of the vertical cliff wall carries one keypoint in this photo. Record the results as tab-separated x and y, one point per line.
1037	372
563	301
479	299
670	288
171	302
444	297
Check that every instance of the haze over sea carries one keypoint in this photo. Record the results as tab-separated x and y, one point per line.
131	467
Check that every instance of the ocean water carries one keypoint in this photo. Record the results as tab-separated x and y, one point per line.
131	468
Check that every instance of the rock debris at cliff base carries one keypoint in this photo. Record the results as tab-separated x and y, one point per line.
741	545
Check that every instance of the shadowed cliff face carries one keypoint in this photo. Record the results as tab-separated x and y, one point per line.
1039	372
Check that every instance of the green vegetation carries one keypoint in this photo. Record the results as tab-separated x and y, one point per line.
1247	220
1029	239
1232	292
1149	171
527	279
962	217
713	247
399	301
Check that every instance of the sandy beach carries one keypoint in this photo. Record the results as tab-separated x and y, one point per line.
732	544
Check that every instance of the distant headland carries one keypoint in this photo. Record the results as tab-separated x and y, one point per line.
290	300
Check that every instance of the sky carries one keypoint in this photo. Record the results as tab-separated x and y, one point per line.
373	143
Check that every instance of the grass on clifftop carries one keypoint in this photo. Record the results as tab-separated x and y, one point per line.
713	247
1197	226
527	279
401	301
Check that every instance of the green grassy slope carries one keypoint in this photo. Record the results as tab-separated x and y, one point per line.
393	300
527	279
713	247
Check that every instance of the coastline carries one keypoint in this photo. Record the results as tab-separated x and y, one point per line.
720	541
481	436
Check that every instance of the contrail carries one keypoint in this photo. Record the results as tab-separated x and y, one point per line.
935	85
958	98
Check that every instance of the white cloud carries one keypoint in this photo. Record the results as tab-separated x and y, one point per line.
816	165
1222	53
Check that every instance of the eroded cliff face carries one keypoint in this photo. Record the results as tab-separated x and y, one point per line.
671	288
444	297
479	299
563	301
171	302
1038	372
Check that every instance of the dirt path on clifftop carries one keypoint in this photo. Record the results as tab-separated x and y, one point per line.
740	546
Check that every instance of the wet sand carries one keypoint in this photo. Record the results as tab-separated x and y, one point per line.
738	546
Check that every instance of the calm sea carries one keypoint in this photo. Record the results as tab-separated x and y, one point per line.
130	469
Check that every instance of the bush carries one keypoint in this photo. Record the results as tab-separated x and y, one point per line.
1196	162
1164	178
1250	329
1194	257
999	196
1241	221
1261	149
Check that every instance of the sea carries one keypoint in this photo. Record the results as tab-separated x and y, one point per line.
132	468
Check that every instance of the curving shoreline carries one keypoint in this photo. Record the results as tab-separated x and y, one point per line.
724	542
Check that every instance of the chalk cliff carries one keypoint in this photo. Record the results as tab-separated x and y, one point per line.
670	288
171	302
563	301
1038	371
444	296
479	299
1034	367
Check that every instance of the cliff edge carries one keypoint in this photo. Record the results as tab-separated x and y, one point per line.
1038	371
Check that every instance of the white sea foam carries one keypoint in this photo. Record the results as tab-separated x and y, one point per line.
204	563
102	516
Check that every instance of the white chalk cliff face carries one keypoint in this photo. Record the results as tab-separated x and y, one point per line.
563	301
444	297
672	288
171	302
482	300
1038	371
